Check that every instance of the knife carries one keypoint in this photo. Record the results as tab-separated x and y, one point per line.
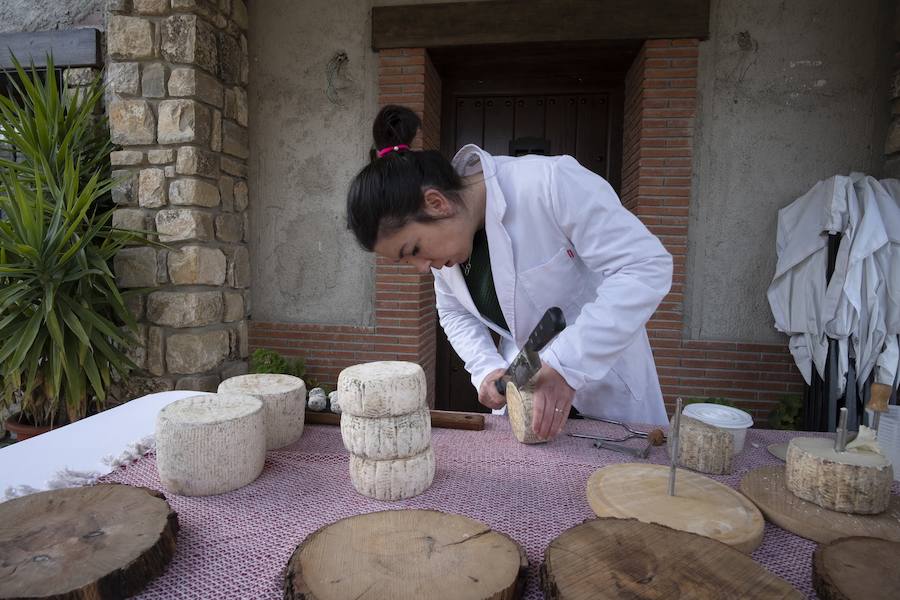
527	362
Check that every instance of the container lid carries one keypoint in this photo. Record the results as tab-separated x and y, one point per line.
719	415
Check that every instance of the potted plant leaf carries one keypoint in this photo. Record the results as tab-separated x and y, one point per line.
63	322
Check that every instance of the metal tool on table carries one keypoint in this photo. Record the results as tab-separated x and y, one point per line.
527	362
655	437
673	468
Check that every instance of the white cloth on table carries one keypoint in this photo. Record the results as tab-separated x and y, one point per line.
80	452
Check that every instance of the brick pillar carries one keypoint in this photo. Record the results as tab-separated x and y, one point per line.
404	299
660	107
177	103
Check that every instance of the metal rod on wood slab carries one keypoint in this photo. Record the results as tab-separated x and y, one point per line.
840	438
673	438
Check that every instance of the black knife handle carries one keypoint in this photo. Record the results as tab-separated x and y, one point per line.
550	324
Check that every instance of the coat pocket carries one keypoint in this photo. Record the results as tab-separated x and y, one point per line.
557	282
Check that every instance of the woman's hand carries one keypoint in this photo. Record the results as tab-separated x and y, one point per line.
552	401
488	394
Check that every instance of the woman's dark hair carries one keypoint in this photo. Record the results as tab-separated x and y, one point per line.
388	193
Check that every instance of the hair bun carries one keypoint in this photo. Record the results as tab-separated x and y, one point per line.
395	125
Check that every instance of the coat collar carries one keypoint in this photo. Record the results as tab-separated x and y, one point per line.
468	161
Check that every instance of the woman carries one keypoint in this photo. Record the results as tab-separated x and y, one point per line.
506	238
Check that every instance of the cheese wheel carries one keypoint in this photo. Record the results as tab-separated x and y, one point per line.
520	404
283	398
210	444
849	482
388	437
702	447
392	479
382	389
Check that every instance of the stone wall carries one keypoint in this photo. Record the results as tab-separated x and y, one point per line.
177	74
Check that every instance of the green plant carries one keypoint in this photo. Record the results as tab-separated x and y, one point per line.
61	315
787	414
269	361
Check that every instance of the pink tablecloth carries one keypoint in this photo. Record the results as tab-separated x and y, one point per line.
235	545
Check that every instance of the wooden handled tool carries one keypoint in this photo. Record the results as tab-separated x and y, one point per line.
880	394
445	419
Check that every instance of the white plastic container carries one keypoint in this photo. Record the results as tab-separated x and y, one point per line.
731	419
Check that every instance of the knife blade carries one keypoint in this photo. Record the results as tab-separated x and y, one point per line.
527	362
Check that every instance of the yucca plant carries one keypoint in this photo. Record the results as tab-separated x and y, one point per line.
46	124
61	316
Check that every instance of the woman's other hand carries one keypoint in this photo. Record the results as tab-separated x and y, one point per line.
488	394
552	401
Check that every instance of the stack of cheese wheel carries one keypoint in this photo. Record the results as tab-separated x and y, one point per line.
386	426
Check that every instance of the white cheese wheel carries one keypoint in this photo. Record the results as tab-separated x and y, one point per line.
210	444
283	398
388	437
520	406
849	482
702	447
382	389
392	479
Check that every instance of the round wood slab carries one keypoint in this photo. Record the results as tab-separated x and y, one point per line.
103	541
766	488
406	555
700	505
857	568
624	558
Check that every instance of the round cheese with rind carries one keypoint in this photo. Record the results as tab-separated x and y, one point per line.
382	389
388	437
283	398
210	444
392	479
848	482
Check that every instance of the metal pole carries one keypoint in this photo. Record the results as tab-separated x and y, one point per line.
840	437
673	438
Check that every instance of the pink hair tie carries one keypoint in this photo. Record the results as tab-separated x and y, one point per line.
390	149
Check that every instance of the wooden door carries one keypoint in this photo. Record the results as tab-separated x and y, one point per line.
584	125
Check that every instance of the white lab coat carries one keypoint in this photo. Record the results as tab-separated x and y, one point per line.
558	236
854	307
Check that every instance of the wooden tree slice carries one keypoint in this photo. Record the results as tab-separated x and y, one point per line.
700	505
406	555
103	541
520	405
857	568
851	482
625	558
766	488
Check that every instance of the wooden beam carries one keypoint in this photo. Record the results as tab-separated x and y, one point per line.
70	48
528	21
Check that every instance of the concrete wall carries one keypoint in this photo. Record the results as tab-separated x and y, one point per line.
34	15
305	149
789	93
